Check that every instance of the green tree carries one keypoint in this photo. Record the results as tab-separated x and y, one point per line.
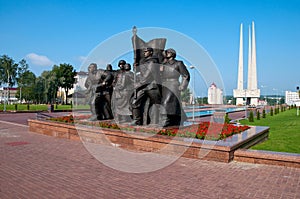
185	95
264	114
66	78
257	115
271	111
50	84
202	100
27	92
22	78
251	117
227	119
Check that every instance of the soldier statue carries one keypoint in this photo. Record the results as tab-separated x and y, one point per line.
123	90
171	71
98	93
147	87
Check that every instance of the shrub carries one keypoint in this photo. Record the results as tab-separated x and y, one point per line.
251	117
227	119
264	114
271	111
257	115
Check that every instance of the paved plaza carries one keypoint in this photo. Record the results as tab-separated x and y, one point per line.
39	166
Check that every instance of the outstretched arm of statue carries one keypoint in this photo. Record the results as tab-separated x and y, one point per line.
185	76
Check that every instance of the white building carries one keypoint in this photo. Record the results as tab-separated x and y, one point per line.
78	87
80	81
4	92
215	95
291	97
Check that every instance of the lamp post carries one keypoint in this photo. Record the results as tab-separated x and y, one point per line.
245	104
7	93
298	100
274	89
265	98
193	68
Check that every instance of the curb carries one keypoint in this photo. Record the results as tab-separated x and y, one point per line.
267	157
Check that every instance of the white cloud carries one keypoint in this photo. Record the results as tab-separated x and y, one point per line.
39	60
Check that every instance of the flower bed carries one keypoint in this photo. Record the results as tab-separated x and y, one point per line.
135	138
206	130
203	130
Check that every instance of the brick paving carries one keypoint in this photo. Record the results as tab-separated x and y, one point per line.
38	166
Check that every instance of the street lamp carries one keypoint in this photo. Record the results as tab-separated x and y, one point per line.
7	92
262	87
298	101
246	104
274	89
193	68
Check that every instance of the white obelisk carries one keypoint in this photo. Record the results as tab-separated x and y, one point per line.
241	60
249	82
239	92
251	94
253	60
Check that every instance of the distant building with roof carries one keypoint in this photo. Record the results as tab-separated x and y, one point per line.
291	97
77	93
12	92
215	94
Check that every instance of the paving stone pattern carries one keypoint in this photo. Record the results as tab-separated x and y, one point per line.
39	166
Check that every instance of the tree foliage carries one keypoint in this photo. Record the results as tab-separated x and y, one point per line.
251	117
185	95
258	115
264	113
66	78
8	72
42	89
27	83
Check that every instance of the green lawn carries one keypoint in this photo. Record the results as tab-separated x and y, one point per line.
284	133
39	107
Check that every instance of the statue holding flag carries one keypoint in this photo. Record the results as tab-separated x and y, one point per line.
147	59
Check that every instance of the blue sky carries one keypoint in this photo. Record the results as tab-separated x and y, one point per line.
54	32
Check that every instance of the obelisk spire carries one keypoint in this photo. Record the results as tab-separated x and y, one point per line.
249	82
240	66
253	59
251	93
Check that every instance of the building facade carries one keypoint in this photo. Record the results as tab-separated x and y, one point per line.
291	98
215	94
11	92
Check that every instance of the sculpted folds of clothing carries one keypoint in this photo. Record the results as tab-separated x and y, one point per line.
147	88
122	93
173	69
171	87
149	72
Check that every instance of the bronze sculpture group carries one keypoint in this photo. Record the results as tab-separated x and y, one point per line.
148	96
